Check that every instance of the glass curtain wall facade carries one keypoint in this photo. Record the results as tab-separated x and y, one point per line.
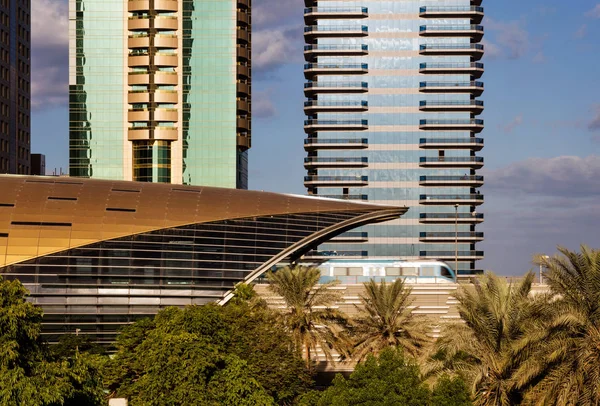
15	87
160	90
392	103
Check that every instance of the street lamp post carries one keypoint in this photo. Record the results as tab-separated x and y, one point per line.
456	238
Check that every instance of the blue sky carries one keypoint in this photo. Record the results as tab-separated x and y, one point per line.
542	116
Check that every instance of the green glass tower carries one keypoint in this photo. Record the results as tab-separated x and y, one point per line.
159	91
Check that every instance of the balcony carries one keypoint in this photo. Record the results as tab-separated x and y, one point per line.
156	133
444	255
475	51
342	143
243	34
473	87
161	23
346	162
158	115
311	14
471	143
313	69
473	199
243	105
160	41
451	218
243	52
351	236
313	125
473	162
472	30
243	124
243	17
464	180
243	70
474	13
160	96
314	106
243	89
315	50
324	181
442	236
310	255
335	31
469	124
475	69
472	106
159	5
346	197
335	87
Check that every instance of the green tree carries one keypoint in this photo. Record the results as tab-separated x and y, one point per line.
386	320
389	380
188	356
29	373
308	317
492	345
450	392
567	362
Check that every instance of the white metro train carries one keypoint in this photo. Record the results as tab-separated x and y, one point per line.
357	271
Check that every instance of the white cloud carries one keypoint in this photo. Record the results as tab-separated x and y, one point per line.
595	123
274	47
581	32
49	54
510	37
517	121
262	105
563	176
594	13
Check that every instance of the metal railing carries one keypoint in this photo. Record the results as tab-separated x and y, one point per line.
332	103
336	66
477	159
336	122
451	46
363	141
336	10
337	254
336	160
349	47
451	253
469	27
317	178
451	141
331	84
336	28
451	215
451	84
346	197
452	65
448	234
472	196
451	103
472	178
450	9
466	121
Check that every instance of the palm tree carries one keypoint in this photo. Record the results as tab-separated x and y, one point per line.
308	317
568	361
491	346
386	320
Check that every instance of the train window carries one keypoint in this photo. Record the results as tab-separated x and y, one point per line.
340	271
446	272
392	271
410	271
427	271
355	271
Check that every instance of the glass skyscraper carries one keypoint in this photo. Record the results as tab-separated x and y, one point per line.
159	91
15	86
392	103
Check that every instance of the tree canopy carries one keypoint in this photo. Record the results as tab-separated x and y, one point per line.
207	355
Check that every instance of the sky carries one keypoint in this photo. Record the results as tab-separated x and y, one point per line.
542	117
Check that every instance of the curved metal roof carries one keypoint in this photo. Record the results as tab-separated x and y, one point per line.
45	215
